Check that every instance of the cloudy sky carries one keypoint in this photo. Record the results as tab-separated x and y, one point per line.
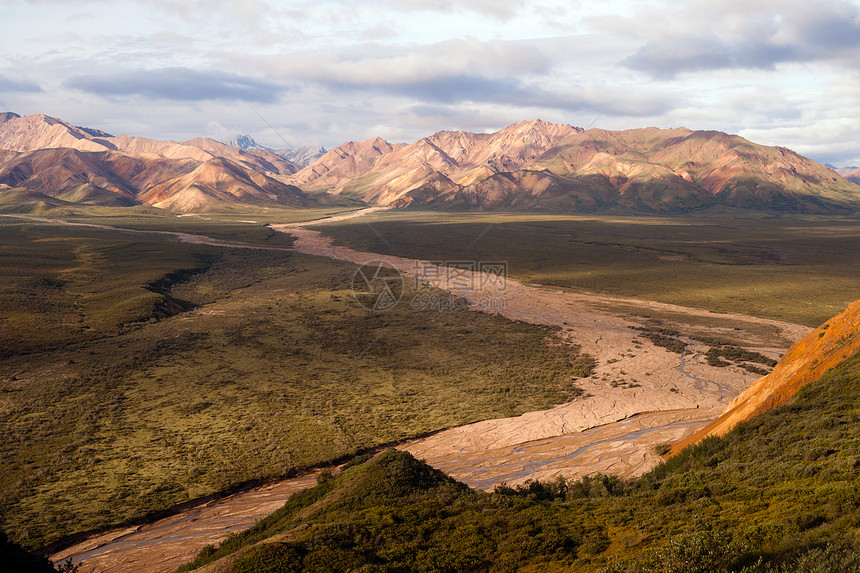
779	72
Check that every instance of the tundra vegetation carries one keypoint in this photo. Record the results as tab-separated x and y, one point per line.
778	494
138	372
801	269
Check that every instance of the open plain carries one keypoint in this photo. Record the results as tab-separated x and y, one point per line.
638	396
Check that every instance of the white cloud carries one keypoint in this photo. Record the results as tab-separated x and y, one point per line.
327	71
9	84
495	8
374	64
715	34
827	129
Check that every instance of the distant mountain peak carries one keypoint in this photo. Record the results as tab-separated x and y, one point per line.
843	170
303	156
539	125
245	143
851	174
527	123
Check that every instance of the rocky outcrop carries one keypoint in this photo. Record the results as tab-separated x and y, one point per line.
805	362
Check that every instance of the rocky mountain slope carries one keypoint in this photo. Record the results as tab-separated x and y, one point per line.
531	165
301	156
805	362
304	155
383	173
852	175
48	155
338	168
40	131
540	165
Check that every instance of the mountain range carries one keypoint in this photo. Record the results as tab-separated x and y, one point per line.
52	157
540	165
531	165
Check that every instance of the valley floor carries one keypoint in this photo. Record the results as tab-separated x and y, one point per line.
683	389
640	396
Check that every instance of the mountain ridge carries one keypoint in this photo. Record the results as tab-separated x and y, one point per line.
530	165
304	155
39	131
87	165
647	169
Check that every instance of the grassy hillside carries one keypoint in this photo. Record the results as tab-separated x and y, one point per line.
798	269
112	405
779	493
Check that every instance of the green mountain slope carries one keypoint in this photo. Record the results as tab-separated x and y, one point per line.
780	492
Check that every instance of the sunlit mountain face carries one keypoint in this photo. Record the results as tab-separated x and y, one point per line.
325	73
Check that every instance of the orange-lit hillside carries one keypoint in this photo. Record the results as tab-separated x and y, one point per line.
805	362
